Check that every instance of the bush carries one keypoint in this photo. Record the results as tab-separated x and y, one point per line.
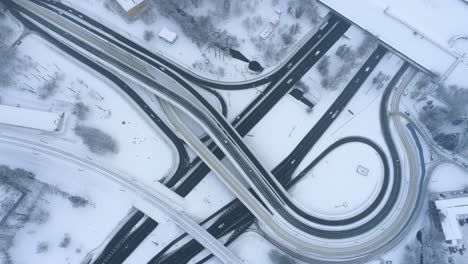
78	201
366	46
379	79
40	216
345	53
81	111
96	140
50	87
148	35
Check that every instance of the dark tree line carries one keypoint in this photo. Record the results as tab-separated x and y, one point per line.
447	119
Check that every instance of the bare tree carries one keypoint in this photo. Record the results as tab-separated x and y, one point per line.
323	66
200	28
81	111
42	247
50	87
379	80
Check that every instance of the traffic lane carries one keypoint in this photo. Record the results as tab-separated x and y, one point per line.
182	71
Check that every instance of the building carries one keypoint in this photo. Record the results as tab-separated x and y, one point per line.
274	22
452	206
168	35
131	6
28	118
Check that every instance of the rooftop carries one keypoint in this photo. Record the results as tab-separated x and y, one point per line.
28	118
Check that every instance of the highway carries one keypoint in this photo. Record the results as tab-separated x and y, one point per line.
235	218
157	198
126	240
294	159
166	64
183	159
189	250
249	167
217	248
291	71
380	241
230	142
261	105
117	239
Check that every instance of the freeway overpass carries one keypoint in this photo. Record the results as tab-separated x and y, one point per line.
220	131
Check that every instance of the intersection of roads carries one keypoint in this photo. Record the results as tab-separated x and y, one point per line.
284	223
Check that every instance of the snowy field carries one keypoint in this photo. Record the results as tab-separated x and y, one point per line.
94	108
60	229
330	190
244	21
264	251
11	30
448	177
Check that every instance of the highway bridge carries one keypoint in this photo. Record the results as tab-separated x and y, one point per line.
273	210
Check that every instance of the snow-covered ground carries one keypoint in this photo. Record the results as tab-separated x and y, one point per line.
54	218
416	28
245	21
288	121
330	190
51	81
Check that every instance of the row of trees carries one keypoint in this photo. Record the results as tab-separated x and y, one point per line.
349	58
447	119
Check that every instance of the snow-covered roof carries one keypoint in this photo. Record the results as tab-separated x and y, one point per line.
42	120
452	208
129	5
415	34
168	35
